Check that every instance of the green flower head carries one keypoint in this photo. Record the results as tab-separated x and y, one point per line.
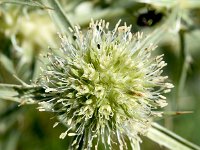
105	86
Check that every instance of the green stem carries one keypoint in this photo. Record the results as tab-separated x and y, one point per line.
182	74
13	99
58	16
184	67
24	86
170	140
4	85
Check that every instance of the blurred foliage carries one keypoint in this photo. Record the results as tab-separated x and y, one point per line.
27	31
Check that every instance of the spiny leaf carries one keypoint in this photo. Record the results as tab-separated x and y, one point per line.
166	138
58	16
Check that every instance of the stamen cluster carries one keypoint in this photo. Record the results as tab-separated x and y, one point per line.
104	86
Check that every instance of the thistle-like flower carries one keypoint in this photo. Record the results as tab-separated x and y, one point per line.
105	86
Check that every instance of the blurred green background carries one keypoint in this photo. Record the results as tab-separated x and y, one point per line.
26	32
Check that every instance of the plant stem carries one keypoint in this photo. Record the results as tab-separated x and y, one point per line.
4	85
182	74
184	67
13	99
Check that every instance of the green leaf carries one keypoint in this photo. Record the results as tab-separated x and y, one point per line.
32	3
7	93
58	16
170	140
6	70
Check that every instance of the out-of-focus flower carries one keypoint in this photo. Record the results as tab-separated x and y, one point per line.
20	29
104	86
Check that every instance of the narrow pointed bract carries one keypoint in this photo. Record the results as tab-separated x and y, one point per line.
105	86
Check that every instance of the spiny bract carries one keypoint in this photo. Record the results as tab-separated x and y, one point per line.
105	86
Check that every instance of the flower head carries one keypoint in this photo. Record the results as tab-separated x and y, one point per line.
105	86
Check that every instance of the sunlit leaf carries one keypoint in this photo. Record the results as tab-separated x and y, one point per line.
166	138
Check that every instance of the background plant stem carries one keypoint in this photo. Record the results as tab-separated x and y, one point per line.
182	75
183	69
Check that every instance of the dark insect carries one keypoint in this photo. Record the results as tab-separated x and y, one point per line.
98	46
74	37
149	18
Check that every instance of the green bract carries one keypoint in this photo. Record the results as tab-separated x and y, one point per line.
105	86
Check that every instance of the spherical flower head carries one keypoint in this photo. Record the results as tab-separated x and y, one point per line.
105	86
